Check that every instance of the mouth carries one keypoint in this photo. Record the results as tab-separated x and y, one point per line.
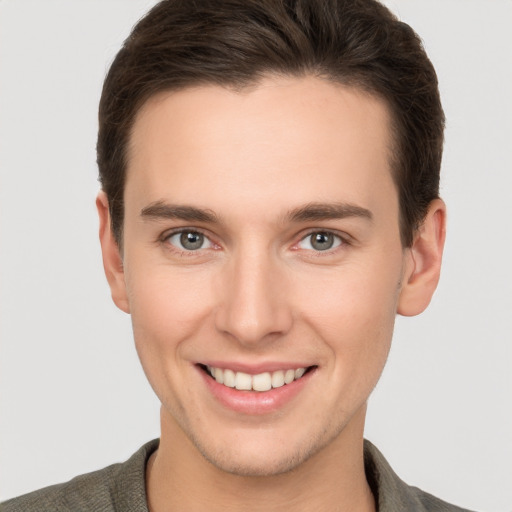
260	382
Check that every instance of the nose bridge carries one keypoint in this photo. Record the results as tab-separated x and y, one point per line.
253	306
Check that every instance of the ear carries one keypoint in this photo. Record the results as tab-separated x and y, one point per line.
112	260
423	262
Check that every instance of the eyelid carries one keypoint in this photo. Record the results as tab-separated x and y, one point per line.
344	238
166	235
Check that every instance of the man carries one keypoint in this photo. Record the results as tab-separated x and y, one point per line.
269	203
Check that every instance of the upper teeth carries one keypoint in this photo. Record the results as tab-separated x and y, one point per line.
260	382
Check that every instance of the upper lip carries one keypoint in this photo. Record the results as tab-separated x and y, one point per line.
255	369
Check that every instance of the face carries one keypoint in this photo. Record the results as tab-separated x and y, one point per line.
262	265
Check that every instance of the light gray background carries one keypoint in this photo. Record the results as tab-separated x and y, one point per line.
73	397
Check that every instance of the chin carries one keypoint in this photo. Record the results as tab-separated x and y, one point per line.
261	459
251	467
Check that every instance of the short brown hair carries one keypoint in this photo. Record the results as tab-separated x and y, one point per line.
235	43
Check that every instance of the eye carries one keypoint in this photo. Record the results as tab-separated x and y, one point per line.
320	241
189	240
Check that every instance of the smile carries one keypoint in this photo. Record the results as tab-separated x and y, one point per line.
260	382
256	390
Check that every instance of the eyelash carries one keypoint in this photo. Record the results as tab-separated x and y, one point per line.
343	239
165	239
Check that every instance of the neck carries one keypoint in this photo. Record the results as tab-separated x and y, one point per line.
178	477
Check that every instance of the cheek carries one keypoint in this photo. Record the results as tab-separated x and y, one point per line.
353	310
167	306
350	297
168	309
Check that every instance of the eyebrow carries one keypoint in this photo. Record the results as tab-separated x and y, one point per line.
309	212
326	211
162	210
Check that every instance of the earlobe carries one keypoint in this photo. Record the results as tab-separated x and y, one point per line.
423	265
112	260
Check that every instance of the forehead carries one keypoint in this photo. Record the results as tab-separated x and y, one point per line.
297	140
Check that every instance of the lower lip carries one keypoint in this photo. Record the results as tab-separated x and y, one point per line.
255	402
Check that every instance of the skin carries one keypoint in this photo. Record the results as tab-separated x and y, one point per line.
257	292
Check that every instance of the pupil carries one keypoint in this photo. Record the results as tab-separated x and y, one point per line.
191	240
322	241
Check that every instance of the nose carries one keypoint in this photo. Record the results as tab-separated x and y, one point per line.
253	305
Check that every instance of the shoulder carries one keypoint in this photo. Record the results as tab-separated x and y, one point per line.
394	495
90	491
430	503
116	487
